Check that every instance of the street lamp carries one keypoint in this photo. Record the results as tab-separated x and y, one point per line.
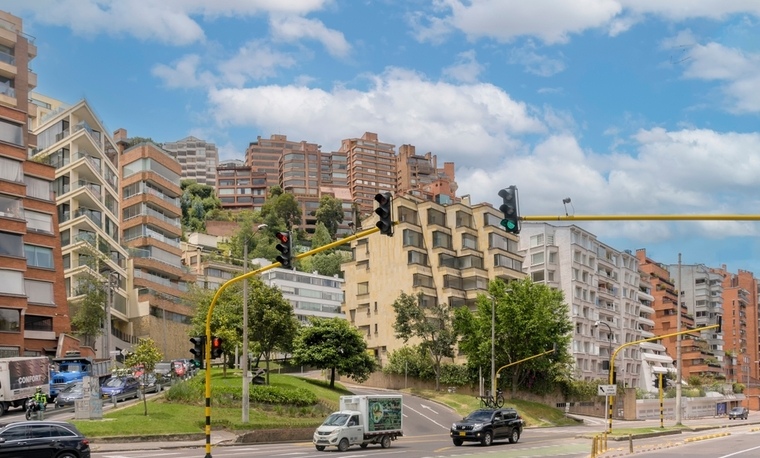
493	351
607	403
609	338
113	282
244	359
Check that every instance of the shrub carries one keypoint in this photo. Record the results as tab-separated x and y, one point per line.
454	375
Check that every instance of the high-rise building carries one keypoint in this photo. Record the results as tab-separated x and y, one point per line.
197	158
740	330
446	253
33	307
420	176
74	140
370	169
239	187
151	229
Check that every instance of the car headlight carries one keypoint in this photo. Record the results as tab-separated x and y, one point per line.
477	426
453	426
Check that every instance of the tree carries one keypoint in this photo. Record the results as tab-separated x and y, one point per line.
430	321
332	343
226	319
530	318
88	313
330	213
272	323
281	208
146	355
321	236
196	201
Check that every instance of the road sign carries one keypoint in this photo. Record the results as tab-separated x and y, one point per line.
607	390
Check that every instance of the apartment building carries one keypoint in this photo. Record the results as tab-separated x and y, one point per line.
419	175
370	169
654	356
151	231
239	187
74	140
447	253
311	294
265	155
211	266
197	159
34	310
702	294
740	330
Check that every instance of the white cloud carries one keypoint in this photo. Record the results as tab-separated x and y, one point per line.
535	63
293	29
466	69
555	21
470	123
255	60
183	73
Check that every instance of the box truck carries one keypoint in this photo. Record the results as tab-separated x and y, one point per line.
75	368
362	420
19	379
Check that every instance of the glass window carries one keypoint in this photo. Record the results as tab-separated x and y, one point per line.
415	257
441	239
38	323
38	188
412	238
11	132
11	244
9	320
407	215
14	433
464	219
436	217
39	292
362	288
11	170
41	222
537	258
38	256
469	241
537	276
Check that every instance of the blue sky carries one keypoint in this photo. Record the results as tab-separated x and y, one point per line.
625	106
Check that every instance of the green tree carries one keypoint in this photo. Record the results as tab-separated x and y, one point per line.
430	321
530	318
272	323
145	354
332	343
330	213
321	236
88	313
226	319
196	201
411	361
281	209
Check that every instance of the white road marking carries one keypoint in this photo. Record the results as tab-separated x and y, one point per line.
426	407
425	416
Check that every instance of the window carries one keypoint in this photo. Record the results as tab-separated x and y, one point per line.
536	240
11	244
412	238
500	260
38	256
464	219
9	320
469	241
11	170
553	258
441	239
38	188
436	217
407	215
11	132
362	288
536	258
415	257
537	276
39	292
422	280
38	323
40	222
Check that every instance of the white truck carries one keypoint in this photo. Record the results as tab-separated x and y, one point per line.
19	379
362	420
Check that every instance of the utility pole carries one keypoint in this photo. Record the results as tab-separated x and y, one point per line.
493	352
244	357
679	362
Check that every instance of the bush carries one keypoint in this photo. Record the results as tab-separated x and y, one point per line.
192	392
454	375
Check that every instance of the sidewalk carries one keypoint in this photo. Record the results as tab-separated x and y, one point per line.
218	438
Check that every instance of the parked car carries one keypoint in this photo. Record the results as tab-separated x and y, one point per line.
153	383
488	425
122	387
43	439
179	368
164	369
738	412
68	395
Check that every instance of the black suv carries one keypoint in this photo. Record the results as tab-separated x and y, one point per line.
44	439
488	425
738	412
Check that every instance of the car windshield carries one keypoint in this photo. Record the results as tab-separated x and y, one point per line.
479	415
114	382
72	389
336	419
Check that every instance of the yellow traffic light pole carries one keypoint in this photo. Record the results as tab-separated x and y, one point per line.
627	344
246	276
522	361
642	218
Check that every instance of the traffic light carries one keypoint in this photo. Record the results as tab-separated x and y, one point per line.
383	210
510	209
656	382
198	351
216	347
285	247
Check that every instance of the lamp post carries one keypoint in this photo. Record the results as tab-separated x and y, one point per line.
493	350
113	283
609	366
244	358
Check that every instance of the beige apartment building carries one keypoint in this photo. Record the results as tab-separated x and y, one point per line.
197	158
151	230
420	176
239	187
447	253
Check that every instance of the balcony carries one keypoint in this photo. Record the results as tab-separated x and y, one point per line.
8	67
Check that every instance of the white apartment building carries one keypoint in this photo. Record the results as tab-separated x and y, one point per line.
197	158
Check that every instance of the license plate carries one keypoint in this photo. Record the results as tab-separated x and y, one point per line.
462	433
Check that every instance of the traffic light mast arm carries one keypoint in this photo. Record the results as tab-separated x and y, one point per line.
523	360
245	276
643	218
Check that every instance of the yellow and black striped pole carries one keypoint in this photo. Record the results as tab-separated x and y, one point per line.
662	414
707	217
245	276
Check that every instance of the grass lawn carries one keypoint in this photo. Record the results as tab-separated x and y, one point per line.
189	417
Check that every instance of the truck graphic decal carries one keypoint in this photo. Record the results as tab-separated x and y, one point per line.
28	373
384	414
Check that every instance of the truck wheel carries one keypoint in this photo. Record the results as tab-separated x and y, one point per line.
385	442
458	442
487	439
343	445
514	436
3	408
363	445
320	448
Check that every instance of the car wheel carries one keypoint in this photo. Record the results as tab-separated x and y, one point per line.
343	445
66	455
487	439
458	442
514	436
385	442
320	448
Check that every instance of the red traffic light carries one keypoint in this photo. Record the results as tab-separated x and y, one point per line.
282	237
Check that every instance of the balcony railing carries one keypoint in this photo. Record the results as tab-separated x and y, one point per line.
7	58
95	217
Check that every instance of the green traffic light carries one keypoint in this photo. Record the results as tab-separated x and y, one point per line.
508	224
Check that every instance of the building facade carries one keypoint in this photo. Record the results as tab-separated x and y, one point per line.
33	307
151	230
370	169
446	253
419	175
740	332
197	159
312	295
239	187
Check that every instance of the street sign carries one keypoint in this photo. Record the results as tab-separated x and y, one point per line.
115	353
607	390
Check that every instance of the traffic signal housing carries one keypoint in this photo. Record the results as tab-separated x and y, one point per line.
285	247
216	347
384	211
510	209
198	351
656	382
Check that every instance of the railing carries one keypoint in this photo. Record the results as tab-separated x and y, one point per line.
7	58
94	216
86	237
93	187
95	162
7	90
